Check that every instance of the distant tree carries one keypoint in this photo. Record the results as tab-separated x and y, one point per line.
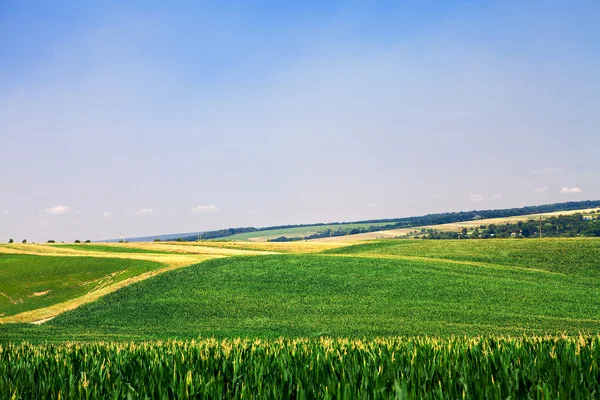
179	240
51	241
464	231
24	241
11	241
88	241
77	241
157	240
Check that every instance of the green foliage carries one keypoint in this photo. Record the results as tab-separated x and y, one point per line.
566	256
10	241
77	241
88	241
560	226
358	295
30	282
413	368
24	241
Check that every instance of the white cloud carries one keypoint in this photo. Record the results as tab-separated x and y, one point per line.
106	215
497	196
145	211
541	190
57	210
570	190
4	213
475	197
79	212
372	205
549	170
204	209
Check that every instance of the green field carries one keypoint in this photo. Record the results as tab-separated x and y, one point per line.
29	282
379	289
579	256
348	323
298	231
401	368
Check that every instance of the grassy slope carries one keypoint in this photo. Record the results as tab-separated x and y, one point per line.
296	232
579	256
344	295
22	276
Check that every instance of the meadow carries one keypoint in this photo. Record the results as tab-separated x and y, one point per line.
393	318
580	256
408	287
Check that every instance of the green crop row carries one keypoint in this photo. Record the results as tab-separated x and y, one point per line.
459	367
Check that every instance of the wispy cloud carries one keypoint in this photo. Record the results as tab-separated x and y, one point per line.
541	190
79	212
204	209
4	213
569	190
475	197
145	211
497	196
106	214
549	170
57	210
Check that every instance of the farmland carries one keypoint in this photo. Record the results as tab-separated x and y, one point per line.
417	368
297	231
30	282
376	289
502	318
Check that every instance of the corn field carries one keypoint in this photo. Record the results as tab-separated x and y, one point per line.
420	368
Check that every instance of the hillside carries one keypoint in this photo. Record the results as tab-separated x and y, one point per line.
397	288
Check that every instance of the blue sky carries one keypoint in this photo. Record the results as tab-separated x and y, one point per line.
155	117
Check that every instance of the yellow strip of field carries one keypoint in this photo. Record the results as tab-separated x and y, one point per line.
171	260
262	247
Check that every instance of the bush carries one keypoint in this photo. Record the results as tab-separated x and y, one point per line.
77	241
51	241
24	241
11	241
88	241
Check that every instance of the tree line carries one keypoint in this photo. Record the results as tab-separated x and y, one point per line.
397	223
561	226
